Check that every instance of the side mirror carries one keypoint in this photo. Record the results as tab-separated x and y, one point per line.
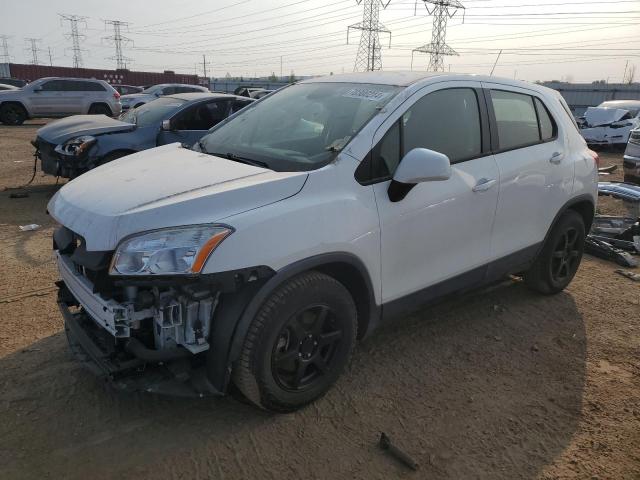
418	166
158	93
167	126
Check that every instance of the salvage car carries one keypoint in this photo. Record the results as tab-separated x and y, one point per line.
309	219
58	97
135	100
127	89
71	146
611	122
631	162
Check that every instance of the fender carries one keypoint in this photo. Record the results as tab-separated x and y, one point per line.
237	311
575	200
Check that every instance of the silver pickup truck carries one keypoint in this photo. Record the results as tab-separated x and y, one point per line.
59	97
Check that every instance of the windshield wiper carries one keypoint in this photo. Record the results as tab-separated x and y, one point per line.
236	158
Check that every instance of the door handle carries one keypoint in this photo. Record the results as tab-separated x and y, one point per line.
556	158
483	184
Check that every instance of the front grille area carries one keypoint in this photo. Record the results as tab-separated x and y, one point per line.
94	266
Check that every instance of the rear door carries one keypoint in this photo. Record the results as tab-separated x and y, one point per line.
536	170
440	232
192	123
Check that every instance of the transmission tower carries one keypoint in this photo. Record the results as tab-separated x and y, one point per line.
118	40
441	10
74	36
369	57
34	49
4	53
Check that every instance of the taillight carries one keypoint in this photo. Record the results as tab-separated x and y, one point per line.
116	95
596	157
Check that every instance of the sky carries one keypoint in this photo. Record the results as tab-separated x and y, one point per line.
579	41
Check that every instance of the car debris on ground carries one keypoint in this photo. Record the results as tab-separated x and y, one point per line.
387	445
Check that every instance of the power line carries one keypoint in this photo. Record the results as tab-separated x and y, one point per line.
369	55
34	49
74	36
118	40
441	11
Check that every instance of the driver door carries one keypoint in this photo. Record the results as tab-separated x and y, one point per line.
437	238
191	124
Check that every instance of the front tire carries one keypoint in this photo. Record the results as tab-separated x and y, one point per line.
298	344
12	114
560	257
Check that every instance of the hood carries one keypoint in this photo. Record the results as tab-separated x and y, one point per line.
598	116
164	187
59	131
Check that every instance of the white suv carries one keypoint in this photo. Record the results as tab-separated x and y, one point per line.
306	220
59	97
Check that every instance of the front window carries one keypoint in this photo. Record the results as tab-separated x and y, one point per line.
301	127
152	112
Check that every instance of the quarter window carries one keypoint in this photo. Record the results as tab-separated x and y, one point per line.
547	127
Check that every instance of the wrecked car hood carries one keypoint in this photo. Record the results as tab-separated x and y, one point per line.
598	116
60	131
164	187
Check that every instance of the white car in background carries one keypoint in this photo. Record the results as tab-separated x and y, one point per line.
611	122
134	100
59	97
307	220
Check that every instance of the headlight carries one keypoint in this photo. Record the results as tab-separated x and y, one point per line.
76	146
170	251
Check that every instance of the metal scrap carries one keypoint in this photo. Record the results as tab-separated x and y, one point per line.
626	273
404	458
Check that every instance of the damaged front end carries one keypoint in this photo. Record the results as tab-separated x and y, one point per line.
607	126
67	160
149	333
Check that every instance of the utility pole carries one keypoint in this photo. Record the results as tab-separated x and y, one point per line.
280	67
442	11
74	36
6	58
496	63
50	58
118	40
369	57
34	49
204	65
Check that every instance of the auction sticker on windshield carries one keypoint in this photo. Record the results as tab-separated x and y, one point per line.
366	94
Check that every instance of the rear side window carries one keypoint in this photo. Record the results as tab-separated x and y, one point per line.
446	121
516	118
81	86
522	120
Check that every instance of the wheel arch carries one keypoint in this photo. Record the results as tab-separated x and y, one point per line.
18	103
238	309
584	205
101	104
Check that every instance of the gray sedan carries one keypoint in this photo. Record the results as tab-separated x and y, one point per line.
74	145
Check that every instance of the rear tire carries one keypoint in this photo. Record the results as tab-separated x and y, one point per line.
12	114
100	109
298	344
560	257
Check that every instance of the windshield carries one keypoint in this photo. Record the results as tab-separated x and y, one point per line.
300	127
152	89
152	112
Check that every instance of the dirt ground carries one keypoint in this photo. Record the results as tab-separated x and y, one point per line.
501	384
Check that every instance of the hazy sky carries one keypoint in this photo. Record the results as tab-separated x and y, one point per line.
566	39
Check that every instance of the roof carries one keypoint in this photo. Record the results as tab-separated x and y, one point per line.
175	85
407	78
400	79
190	97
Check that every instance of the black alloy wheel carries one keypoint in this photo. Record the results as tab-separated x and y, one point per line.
306	348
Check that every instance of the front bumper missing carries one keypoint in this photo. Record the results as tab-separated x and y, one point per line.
52	163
